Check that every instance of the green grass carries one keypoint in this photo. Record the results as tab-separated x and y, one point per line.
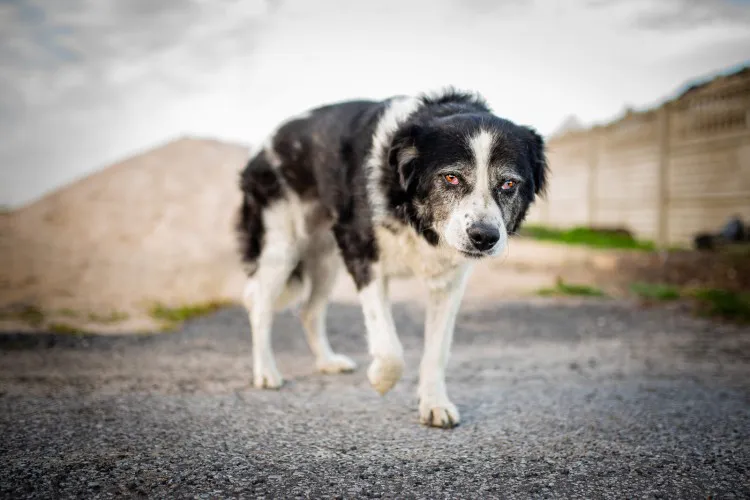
709	302
68	313
570	289
184	313
595	238
113	317
30	315
655	291
724	304
64	328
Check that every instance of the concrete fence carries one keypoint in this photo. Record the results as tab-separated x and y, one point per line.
665	174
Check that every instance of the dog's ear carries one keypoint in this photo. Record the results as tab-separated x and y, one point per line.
403	154
538	157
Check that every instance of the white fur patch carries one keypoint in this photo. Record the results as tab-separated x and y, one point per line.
382	339
398	112
481	147
381	330
405	253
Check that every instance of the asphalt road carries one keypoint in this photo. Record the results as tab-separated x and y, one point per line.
558	400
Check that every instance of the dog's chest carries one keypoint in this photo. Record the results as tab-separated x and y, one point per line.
403	253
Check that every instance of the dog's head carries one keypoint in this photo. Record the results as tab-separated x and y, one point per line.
469	179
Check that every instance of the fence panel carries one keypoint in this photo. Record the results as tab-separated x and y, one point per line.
569	181
664	174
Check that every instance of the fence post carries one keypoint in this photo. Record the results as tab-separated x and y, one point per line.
662	193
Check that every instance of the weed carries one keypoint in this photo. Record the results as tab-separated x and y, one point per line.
64	328
655	291
113	317
31	315
562	288
184	313
68	313
723	304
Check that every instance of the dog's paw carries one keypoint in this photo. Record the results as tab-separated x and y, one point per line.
438	413
267	377
336	363
384	372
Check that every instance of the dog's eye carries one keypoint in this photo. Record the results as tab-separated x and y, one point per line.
452	179
507	185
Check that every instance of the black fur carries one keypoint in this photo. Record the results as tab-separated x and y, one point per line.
454	97
323	156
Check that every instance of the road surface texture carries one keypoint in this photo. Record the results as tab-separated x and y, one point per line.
559	399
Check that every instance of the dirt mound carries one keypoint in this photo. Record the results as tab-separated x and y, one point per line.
153	228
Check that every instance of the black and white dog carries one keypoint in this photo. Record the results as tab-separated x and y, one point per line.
410	186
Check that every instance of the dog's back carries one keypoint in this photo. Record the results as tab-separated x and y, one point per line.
306	174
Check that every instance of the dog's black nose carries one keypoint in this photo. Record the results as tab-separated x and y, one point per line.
483	236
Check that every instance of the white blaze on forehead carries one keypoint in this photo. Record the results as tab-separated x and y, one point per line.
481	147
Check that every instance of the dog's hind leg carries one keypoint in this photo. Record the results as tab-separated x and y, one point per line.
261	295
321	269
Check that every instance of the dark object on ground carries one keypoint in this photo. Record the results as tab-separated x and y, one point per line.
734	231
704	241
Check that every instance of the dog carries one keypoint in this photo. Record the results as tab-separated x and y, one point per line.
422	186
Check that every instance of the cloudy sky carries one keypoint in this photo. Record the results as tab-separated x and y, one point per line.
84	83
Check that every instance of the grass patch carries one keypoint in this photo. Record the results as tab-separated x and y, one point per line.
113	317
184	313
31	315
708	302
723	304
64	328
596	238
655	291
570	289
68	313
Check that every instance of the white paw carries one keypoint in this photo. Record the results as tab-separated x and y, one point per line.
438	412
384	372
267	377
335	363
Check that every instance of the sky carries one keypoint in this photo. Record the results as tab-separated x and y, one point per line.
85	83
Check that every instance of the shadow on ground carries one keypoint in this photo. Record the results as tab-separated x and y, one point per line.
585	399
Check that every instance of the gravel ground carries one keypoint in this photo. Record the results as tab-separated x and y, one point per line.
559	399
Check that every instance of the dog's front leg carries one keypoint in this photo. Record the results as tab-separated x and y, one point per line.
384	346
444	300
